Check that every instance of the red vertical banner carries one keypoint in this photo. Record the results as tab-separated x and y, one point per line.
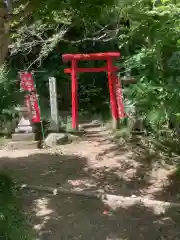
31	99
32	104
27	81
119	98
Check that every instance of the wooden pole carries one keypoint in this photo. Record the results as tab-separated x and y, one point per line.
74	86
113	101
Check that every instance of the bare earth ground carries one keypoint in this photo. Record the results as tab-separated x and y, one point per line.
97	163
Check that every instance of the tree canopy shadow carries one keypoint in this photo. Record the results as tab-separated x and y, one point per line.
81	218
73	217
142	161
171	192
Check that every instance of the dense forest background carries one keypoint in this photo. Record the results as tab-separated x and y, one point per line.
145	32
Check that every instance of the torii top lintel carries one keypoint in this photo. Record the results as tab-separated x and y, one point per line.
91	56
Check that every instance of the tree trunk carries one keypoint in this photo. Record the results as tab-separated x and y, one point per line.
4	32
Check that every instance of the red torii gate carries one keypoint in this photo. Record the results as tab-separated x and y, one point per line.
116	99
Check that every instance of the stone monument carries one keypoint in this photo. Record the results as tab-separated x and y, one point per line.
53	104
24	125
24	136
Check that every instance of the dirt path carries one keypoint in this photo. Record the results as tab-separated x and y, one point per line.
97	163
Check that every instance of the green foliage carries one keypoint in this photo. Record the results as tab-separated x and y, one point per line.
9	96
53	22
54	28
146	33
153	58
77	8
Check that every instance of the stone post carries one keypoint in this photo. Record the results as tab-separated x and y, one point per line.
53	104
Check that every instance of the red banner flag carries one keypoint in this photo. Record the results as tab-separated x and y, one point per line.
27	81
31	99
32	104
119	97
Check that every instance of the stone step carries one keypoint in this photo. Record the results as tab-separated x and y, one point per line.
22	145
23	137
91	125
